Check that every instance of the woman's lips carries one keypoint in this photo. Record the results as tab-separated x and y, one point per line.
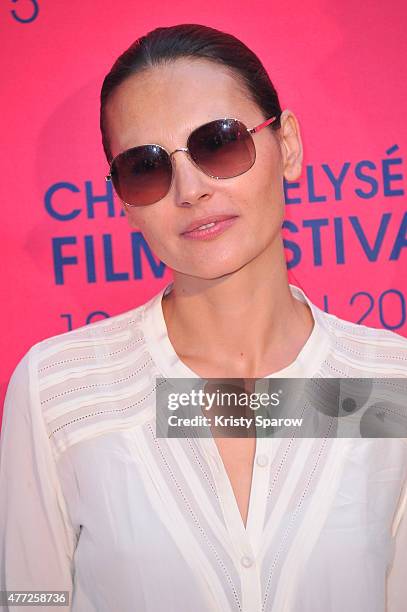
210	232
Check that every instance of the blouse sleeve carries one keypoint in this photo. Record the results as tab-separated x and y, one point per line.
397	578
37	539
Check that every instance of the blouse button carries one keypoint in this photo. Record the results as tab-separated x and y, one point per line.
246	561
262	460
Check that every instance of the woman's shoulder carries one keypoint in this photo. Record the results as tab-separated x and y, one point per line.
104	344
356	349
361	332
380	351
89	379
103	330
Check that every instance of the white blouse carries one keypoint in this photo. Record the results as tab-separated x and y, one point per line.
92	502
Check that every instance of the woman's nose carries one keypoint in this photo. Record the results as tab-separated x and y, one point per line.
190	183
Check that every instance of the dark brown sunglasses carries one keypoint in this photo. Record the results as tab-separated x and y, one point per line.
222	149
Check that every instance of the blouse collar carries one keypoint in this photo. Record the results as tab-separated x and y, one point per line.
305	365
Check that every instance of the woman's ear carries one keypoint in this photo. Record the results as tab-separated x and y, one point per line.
291	145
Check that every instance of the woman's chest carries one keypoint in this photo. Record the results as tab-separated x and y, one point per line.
157	509
237	456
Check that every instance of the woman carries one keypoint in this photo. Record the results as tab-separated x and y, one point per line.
92	500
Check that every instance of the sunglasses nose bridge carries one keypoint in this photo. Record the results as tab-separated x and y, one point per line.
180	149
185	150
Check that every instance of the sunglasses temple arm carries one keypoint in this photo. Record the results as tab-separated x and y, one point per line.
262	125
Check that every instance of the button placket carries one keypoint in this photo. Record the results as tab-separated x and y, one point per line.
245	541
250	582
250	570
260	482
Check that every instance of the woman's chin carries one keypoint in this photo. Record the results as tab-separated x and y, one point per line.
215	269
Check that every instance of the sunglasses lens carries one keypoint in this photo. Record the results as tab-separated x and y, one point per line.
142	175
223	148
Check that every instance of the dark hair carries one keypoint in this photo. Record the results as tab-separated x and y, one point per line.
164	45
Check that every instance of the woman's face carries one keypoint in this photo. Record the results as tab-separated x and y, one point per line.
163	105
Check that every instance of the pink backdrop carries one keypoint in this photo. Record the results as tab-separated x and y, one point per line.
338	65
